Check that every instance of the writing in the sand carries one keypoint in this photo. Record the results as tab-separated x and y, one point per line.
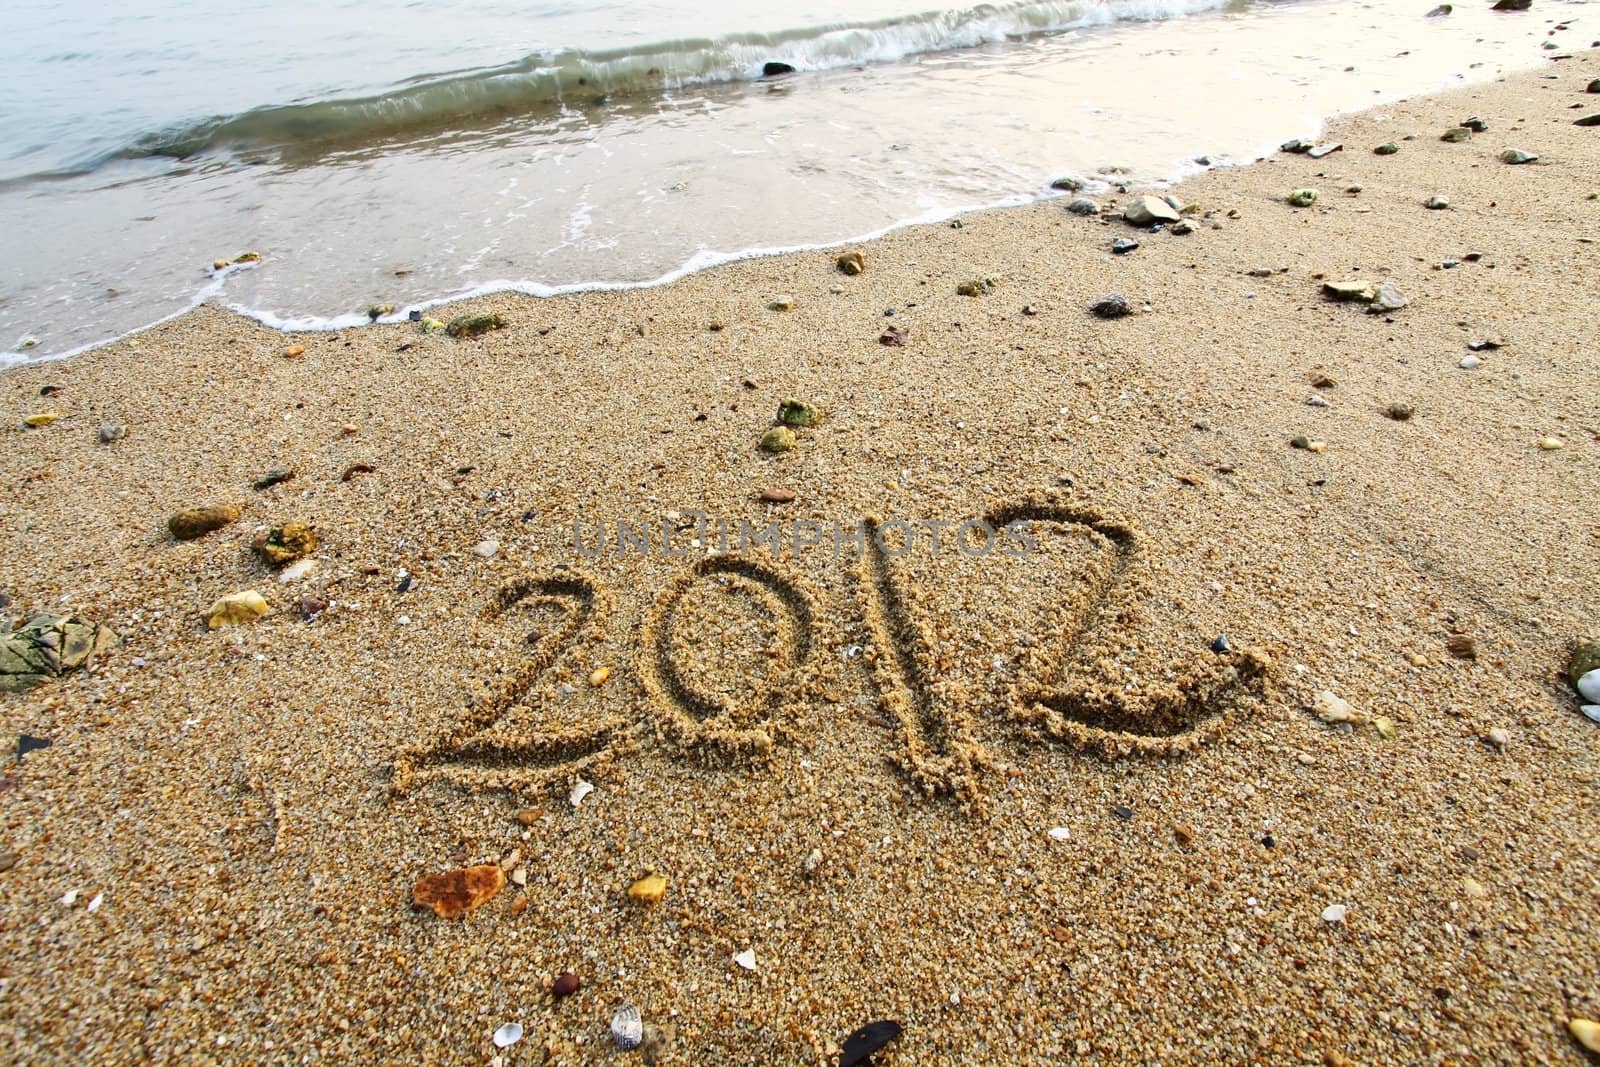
516	736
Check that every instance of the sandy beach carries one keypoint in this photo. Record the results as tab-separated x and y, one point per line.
1022	802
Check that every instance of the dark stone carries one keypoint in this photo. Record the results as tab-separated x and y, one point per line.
1123	812
415	315
1269	841
1296	146
860	1045
1400	412
1111	306
1512	5
1588	120
1220	645
774	69
566	985
1123	245
27	743
1475	124
1301	441
276	476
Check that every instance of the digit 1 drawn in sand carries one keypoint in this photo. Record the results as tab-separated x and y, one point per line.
717	722
512	737
940	754
1074	696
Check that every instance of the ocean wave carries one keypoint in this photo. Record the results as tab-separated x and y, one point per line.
557	77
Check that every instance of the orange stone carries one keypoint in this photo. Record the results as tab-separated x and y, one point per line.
454	893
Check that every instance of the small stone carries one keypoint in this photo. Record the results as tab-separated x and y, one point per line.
1588	120
976	287
1385	727
1335	709
285	544
1303	197
191	523
1359	292
1517	155
648	890
1489	344
1148	210
777	496
1387	148
1475	124
486	549
236	608
1474	888
1551	444
454	893
1462	646
1594	86
378	311
1385	298
1400	412
1335	913
798	413
41	420
852	263
781	303
275	476
1499	737
1183	833
1182	228
746	959
471	325
1111	306
1295	147
777	439
565	985
508	1035
1586	1031
1585	658
294	351
1123	245
1353	189
1456	134
8	860
598	676
773	68
1440	11
1300	441
1437	203
1318	151
1082	205
1067	183
1220	645
529	816
296	571
858	1048
1060	833
1588	686
1590	712
1470	363
1123	812
112	432
812	861
247	257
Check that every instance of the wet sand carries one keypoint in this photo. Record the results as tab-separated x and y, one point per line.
852	763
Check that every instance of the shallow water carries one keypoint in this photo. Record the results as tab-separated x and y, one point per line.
399	153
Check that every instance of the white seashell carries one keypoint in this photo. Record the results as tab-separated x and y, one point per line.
1335	913
627	1027
1060	833
1592	711
1589	687
99	899
579	791
508	1035
69	898
746	959
297	570
486	549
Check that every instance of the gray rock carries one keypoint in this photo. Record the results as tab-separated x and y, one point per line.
1517	155
112	432
1145	210
1437	203
1182	228
1512	5
1325	150
1082	205
1456	135
1296	146
1475	124
1385	297
1122	246
1387	148
1111	306
1594	86
1439	12
1068	183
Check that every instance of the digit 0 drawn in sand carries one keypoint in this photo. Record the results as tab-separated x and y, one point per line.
935	728
512	737
747	679
1069	689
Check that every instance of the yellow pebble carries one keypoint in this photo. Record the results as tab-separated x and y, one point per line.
1587	1031
1316	446
294	350
648	890
598	676
1550	444
236	607
1474	888
44	418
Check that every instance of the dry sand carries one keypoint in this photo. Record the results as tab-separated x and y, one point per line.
854	770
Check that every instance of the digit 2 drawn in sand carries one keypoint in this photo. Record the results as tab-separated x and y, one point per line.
720	725
1069	698
499	744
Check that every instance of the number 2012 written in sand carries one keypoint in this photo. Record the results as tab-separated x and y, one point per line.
505	741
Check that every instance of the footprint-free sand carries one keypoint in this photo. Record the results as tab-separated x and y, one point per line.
1015	801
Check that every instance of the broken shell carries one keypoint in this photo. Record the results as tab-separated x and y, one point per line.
1060	833
1335	913
598	676
579	791
627	1028
746	959
297	570
454	893
648	890
508	1035
1334	709
236	608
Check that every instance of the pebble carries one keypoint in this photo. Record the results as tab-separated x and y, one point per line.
1295	147
1590	712
1499	737
1385	727
112	432
1148	210
852	263
1586	1031
1517	155
1182	228
529	816
1550	444
1588	686
294	351
1111	306
777	439
1475	124
1437	203
1060	833
1325	150
1585	658
1387	148
508	1035
285	544
1360	292
41	420
1385	297
1470	363
798	413
1220	645
1399	412
1331	708
1462	646
1068	183
275	476
454	893
486	549
781	303
1488	344
1474	888
1183	833
777	496
1335	913
746	959
976	287
812	861
1123	245
190	523
858	1048
1303	197
8	860
1082	205
1123	812
1456	134
236	608
566	985
648	890
598	676
579	791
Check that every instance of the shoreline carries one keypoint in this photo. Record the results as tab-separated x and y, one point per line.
1027	806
